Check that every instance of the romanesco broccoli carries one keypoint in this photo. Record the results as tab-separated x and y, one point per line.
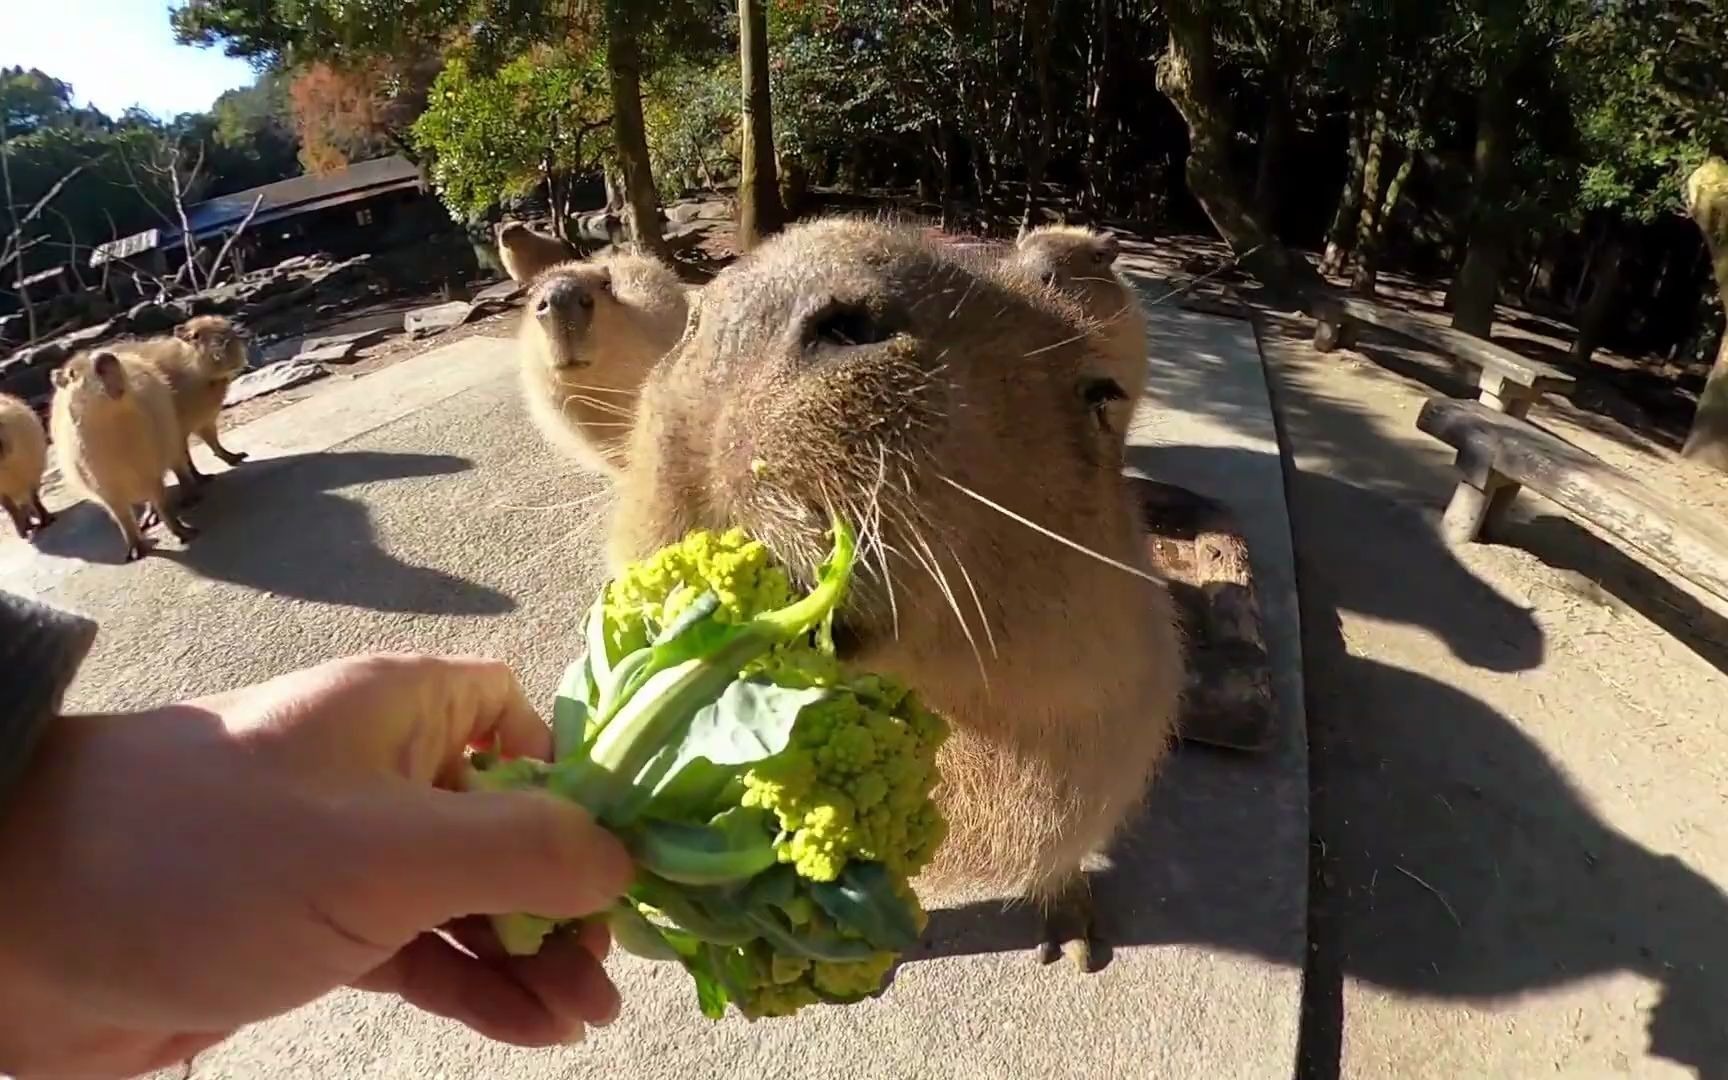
712	726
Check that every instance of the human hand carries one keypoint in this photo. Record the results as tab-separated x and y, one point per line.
172	875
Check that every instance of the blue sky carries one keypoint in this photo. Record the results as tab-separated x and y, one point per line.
116	53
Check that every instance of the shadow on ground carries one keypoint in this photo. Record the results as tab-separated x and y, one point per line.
1450	856
278	526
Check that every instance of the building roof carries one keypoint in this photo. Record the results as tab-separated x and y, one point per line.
301	194
283	199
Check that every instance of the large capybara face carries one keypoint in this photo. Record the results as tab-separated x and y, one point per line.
859	368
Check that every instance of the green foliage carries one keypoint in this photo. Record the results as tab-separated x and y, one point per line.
494	136
279	31
117	190
859	71
99	204
31	100
692	115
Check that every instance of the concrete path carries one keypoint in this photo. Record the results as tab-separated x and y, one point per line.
416	509
1518	777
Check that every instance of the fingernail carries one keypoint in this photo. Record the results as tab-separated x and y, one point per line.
576	1035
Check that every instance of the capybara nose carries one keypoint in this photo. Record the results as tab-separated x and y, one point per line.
840	322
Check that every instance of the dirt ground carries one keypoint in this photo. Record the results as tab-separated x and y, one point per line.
1519	755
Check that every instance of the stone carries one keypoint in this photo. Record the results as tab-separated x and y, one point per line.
683	213
225	300
426	321
25	375
337	351
151	317
500	293
90	335
598	227
335	348
272	379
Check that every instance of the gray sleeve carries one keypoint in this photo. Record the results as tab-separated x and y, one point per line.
40	650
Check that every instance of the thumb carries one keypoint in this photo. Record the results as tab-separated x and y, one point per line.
432	855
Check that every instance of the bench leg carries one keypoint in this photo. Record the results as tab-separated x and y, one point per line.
1477	506
1505	396
1331	335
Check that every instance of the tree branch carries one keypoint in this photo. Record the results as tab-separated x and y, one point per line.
216	267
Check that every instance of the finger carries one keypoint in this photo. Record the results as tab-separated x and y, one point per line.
432	975
568	981
453	702
432	856
413	715
487	706
596	938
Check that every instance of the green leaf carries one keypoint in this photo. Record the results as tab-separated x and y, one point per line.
863	902
776	888
711	993
815	941
736	846
750	721
705	915
699	611
599	656
570	714
636	935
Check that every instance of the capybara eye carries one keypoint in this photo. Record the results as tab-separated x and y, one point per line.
543	308
846	324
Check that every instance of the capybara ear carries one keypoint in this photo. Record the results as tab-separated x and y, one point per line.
61	378
1108	249
108	369
185	332
606	278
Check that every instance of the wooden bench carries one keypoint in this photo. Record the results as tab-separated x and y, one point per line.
1507	382
1498	454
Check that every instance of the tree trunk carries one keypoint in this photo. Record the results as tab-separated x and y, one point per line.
1707	201
1339	234
1477	288
1037	144
1276	132
1368	247
1186	76
624	72
1376	146
1098	64
759	211
1605	272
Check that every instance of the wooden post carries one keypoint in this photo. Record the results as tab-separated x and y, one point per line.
1332	327
1328	335
1479	502
1505	396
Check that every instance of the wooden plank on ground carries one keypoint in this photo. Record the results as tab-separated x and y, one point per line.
1689	543
1198	547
